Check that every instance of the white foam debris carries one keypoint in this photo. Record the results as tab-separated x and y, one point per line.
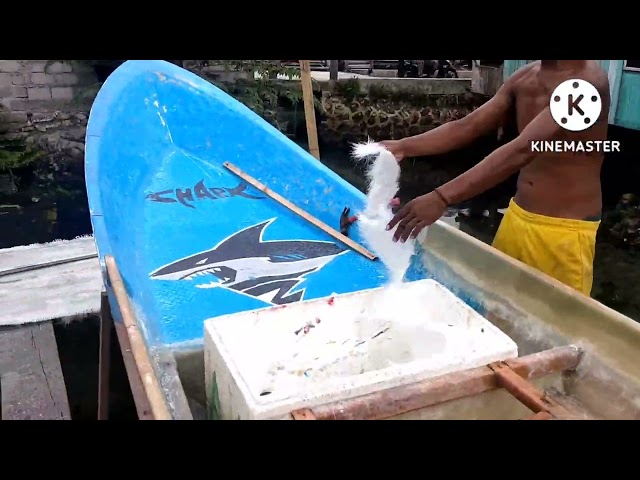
351	338
383	174
356	338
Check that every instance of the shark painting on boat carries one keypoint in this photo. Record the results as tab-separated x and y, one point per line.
267	270
164	217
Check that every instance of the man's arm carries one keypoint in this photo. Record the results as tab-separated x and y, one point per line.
510	158
497	167
460	133
503	162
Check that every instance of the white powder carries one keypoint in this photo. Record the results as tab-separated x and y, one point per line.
352	338
383	174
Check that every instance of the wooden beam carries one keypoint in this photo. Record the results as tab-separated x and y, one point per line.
309	109
522	390
308	217
152	388
104	357
33	386
398	400
333	69
143	408
527	394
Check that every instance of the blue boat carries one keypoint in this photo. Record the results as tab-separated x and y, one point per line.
193	240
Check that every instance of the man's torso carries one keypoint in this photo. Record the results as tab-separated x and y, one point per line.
565	185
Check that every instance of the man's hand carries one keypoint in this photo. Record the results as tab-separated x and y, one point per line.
395	147
417	214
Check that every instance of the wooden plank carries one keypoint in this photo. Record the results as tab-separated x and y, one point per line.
286	203
175	395
517	386
486	80
43	282
24	255
534	399
545	362
398	400
39	266
104	362
33	386
143	408
141	356
309	109
303	414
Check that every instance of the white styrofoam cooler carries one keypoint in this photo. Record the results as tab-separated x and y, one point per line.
263	364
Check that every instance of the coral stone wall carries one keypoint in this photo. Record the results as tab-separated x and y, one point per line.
45	103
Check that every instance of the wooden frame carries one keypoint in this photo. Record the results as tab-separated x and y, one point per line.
512	375
297	210
107	326
148	396
31	378
309	108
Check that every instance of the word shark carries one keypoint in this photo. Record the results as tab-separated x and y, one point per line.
201	193
245	263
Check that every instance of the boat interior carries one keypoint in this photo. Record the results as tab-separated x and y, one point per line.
577	359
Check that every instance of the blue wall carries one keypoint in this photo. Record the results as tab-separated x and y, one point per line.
628	106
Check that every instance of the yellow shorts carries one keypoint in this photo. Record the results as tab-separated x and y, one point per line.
562	248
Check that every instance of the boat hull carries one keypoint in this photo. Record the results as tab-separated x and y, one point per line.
160	195
534	310
192	239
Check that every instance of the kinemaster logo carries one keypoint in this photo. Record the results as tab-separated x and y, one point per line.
575	105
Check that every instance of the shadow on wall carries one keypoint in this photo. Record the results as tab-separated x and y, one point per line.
621	171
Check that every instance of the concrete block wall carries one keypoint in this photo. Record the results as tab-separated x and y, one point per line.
46	104
29	86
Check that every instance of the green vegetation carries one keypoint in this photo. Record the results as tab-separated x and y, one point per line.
259	87
349	89
14	153
262	85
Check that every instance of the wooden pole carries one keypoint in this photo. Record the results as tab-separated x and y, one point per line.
309	110
104	363
532	398
286	203
138	348
333	69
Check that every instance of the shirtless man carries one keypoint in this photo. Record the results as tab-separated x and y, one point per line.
552	221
